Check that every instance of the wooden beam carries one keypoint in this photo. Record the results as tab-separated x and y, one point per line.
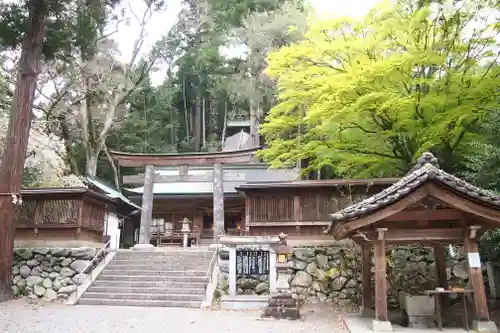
133	160
366	275
183	178
428	234
476	280
465	205
380	281
423	215
440	265
287	223
390	210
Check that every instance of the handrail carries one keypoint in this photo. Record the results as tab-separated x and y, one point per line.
215	258
95	257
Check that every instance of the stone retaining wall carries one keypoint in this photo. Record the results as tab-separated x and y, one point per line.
50	273
333	274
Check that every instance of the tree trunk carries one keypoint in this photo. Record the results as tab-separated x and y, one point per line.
197	125
203	123
17	138
91	164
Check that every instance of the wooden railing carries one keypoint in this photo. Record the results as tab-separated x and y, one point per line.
62	208
301	209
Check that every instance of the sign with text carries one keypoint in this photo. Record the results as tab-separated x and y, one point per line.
252	262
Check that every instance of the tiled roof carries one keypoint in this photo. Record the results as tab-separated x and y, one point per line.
426	169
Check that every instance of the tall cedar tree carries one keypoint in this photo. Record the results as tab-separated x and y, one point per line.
27	23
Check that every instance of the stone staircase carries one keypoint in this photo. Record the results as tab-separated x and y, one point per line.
163	278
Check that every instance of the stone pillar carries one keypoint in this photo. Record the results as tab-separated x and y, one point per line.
272	271
147	208
218	210
232	271
493	279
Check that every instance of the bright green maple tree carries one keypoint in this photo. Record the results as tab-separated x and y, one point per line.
368	96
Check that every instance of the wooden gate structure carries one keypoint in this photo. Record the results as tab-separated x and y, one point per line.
183	161
427	206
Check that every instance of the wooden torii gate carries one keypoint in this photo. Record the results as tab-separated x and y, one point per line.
183	161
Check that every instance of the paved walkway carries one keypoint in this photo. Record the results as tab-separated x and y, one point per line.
20	317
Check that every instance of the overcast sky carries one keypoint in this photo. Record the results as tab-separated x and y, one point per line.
162	22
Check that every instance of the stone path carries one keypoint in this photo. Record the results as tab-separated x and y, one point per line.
20	317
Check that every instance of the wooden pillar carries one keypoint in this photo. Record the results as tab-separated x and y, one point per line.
476	278
366	277
380	281
218	193
440	265
147	205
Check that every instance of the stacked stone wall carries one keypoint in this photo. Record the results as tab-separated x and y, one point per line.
50	273
332	274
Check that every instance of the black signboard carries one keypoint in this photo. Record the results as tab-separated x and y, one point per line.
252	262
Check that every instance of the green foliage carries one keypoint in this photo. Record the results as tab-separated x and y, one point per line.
366	97
71	24
481	162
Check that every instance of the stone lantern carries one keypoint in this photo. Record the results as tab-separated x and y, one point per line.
186	229
282	304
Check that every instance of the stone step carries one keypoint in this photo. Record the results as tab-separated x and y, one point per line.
173	254
160	267
146	290
141	303
144	296
149	278
148	284
139	272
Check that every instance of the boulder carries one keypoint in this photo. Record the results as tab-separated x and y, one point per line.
39	257
322	261
24	253
302	279
67	289
50	295
25	271
245	283
304	254
32	263
15	270
67	272
37	271
47	283
261	288
66	262
58	252
15	291
39	290
42	251
85	253
33	280
299	265
79	265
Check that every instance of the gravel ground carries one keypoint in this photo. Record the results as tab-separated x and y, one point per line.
20	317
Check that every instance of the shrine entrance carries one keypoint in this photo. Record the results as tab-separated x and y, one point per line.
183	161
431	207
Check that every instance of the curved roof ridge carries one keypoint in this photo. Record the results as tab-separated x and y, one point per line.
426	168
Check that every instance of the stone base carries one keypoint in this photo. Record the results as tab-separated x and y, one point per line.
484	326
381	326
282	306
243	302
143	247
